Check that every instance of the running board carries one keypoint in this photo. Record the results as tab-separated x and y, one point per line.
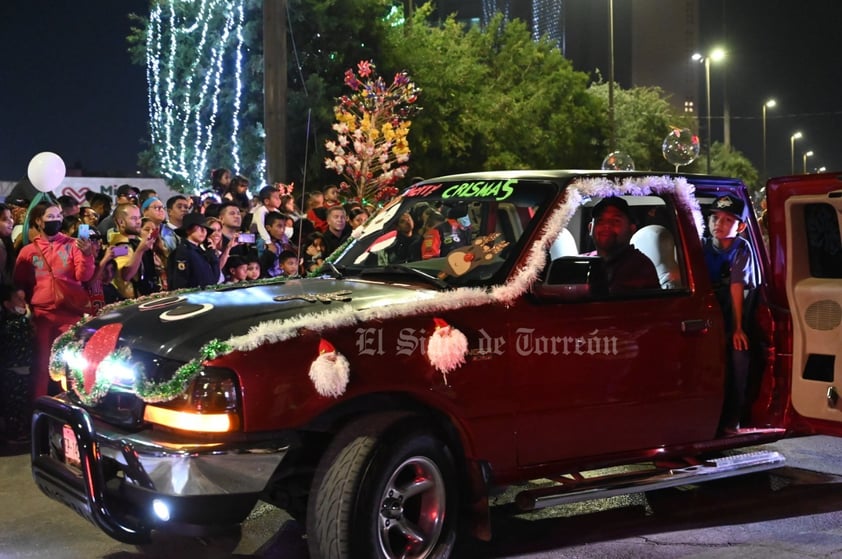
584	489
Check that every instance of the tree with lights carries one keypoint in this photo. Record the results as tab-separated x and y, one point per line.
205	81
201	89
372	125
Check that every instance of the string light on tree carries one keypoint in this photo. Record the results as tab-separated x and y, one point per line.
195	64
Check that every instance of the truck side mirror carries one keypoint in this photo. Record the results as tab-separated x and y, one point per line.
572	279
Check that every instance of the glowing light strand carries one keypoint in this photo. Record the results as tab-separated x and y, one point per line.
170	81
192	111
238	91
185	103
200	162
153	73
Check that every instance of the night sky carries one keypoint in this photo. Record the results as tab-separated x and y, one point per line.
788	51
68	85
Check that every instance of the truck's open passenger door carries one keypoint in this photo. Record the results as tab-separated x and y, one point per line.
805	234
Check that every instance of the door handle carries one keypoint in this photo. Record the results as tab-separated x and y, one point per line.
695	326
832	396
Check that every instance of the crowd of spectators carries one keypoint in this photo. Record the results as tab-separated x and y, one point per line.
62	259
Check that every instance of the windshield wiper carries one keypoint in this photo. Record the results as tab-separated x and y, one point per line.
404	269
334	271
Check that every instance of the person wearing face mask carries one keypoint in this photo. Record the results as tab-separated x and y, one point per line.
453	233
51	270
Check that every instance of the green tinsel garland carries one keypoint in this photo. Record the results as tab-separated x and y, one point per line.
145	389
334	256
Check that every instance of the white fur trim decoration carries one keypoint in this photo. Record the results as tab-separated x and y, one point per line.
330	371
447	348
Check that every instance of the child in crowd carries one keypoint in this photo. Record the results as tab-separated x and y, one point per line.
236	269
109	291
276	226
289	264
731	267
314	255
253	267
16	342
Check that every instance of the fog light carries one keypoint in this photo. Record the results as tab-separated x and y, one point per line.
161	509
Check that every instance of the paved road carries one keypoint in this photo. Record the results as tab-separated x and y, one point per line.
791	512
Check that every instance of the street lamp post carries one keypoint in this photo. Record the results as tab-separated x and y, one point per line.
768	104
805	155
792	139
716	55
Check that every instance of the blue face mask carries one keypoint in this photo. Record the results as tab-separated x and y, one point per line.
464	221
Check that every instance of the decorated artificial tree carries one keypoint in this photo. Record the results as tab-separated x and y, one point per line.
371	150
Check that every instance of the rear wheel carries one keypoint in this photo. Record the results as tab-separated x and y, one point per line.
384	489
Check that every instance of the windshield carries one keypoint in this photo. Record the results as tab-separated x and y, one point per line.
448	234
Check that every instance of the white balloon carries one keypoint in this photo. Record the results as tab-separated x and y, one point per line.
46	171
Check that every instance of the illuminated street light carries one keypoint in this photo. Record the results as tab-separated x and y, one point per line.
715	55
792	139
821	169
768	104
804	161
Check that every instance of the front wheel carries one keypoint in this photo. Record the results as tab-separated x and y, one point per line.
385	491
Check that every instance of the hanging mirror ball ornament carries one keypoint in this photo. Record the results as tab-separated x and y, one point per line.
681	147
618	161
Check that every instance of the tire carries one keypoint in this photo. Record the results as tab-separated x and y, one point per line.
384	489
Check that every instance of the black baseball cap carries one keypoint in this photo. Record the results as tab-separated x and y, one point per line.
729	204
128	191
614	202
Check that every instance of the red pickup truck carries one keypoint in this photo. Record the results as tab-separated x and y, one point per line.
383	401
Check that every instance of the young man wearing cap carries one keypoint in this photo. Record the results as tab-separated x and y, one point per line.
625	269
190	265
731	267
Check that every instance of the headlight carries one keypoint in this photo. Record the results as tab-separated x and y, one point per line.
210	404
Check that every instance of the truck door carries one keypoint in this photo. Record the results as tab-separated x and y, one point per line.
806	260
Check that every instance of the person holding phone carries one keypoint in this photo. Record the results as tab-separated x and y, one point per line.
50	270
135	276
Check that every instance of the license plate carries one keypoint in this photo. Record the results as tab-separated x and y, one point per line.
71	447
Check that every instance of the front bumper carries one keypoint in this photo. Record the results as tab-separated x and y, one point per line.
121	475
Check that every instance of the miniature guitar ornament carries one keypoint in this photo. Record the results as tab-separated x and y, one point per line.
481	251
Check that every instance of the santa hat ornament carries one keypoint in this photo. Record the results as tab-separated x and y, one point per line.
447	347
329	372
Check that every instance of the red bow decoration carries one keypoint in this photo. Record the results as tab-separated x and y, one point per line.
102	343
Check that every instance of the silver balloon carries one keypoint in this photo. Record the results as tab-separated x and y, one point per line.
681	147
618	161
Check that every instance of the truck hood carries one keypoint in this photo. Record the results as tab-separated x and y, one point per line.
176	326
